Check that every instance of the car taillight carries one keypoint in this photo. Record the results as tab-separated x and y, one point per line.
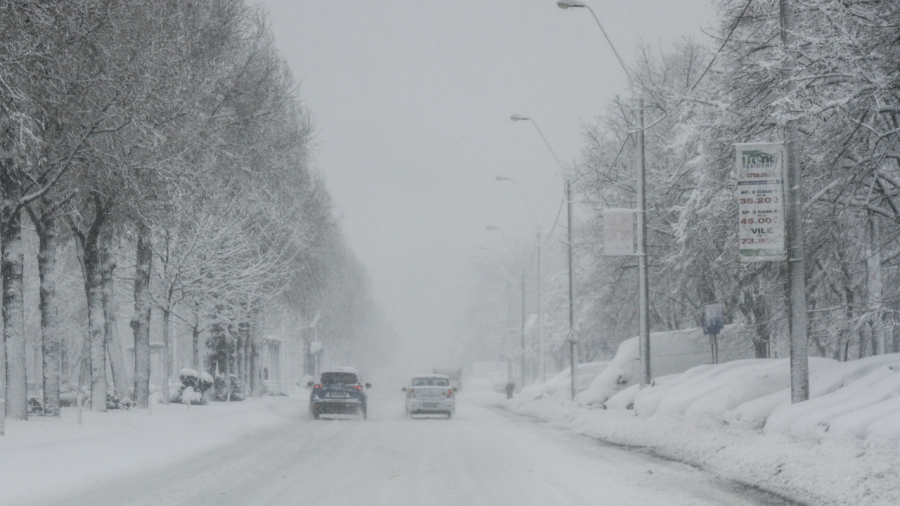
318	386
358	387
450	393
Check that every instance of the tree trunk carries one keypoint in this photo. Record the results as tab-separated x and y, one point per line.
111	334
167	360
96	328
51	338
11	267
89	256
875	285
140	322
97	336
255	373
195	347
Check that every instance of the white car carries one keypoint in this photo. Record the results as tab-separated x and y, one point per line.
430	395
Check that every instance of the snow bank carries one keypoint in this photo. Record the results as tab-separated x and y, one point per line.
887	427
839	447
670	353
858	398
618	373
830	471
849	387
561	384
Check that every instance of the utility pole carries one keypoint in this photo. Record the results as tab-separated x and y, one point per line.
572	361
794	213
522	330
507	331
540	296
643	290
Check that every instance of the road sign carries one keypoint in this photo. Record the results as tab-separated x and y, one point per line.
760	194
713	319
618	232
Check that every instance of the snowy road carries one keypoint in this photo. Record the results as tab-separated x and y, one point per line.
481	457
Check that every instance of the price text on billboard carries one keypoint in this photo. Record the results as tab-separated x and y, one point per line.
760	194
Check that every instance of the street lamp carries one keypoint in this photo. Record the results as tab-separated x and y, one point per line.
521	195
643	290
568	190
522	328
540	297
519	117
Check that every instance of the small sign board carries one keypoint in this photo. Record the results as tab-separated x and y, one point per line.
760	194
618	232
713	319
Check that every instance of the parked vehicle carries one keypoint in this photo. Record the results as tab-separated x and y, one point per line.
338	391
431	394
455	376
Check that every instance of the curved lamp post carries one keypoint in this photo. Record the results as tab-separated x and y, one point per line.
643	290
522	327
540	297
568	196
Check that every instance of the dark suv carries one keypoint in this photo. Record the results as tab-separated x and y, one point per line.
339	391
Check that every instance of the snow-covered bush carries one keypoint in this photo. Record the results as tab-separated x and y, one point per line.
198	383
189	378
230	385
113	401
35	406
206	382
189	396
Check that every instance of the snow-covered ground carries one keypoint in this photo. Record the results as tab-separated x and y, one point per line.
733	420
480	457
45	456
736	420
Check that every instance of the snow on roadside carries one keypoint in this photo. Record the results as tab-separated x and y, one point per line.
810	466
48	456
561	384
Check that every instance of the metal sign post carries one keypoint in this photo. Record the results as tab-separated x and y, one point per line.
713	323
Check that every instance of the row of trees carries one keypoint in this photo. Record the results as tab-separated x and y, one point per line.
165	137
701	99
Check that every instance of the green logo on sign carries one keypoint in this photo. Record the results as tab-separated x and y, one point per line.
757	158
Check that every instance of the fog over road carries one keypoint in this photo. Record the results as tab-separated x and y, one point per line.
480	457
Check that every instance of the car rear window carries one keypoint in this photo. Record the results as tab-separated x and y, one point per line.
339	378
431	382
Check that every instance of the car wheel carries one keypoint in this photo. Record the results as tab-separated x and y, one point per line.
449	415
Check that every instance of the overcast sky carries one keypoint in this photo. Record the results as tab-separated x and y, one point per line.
412	100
